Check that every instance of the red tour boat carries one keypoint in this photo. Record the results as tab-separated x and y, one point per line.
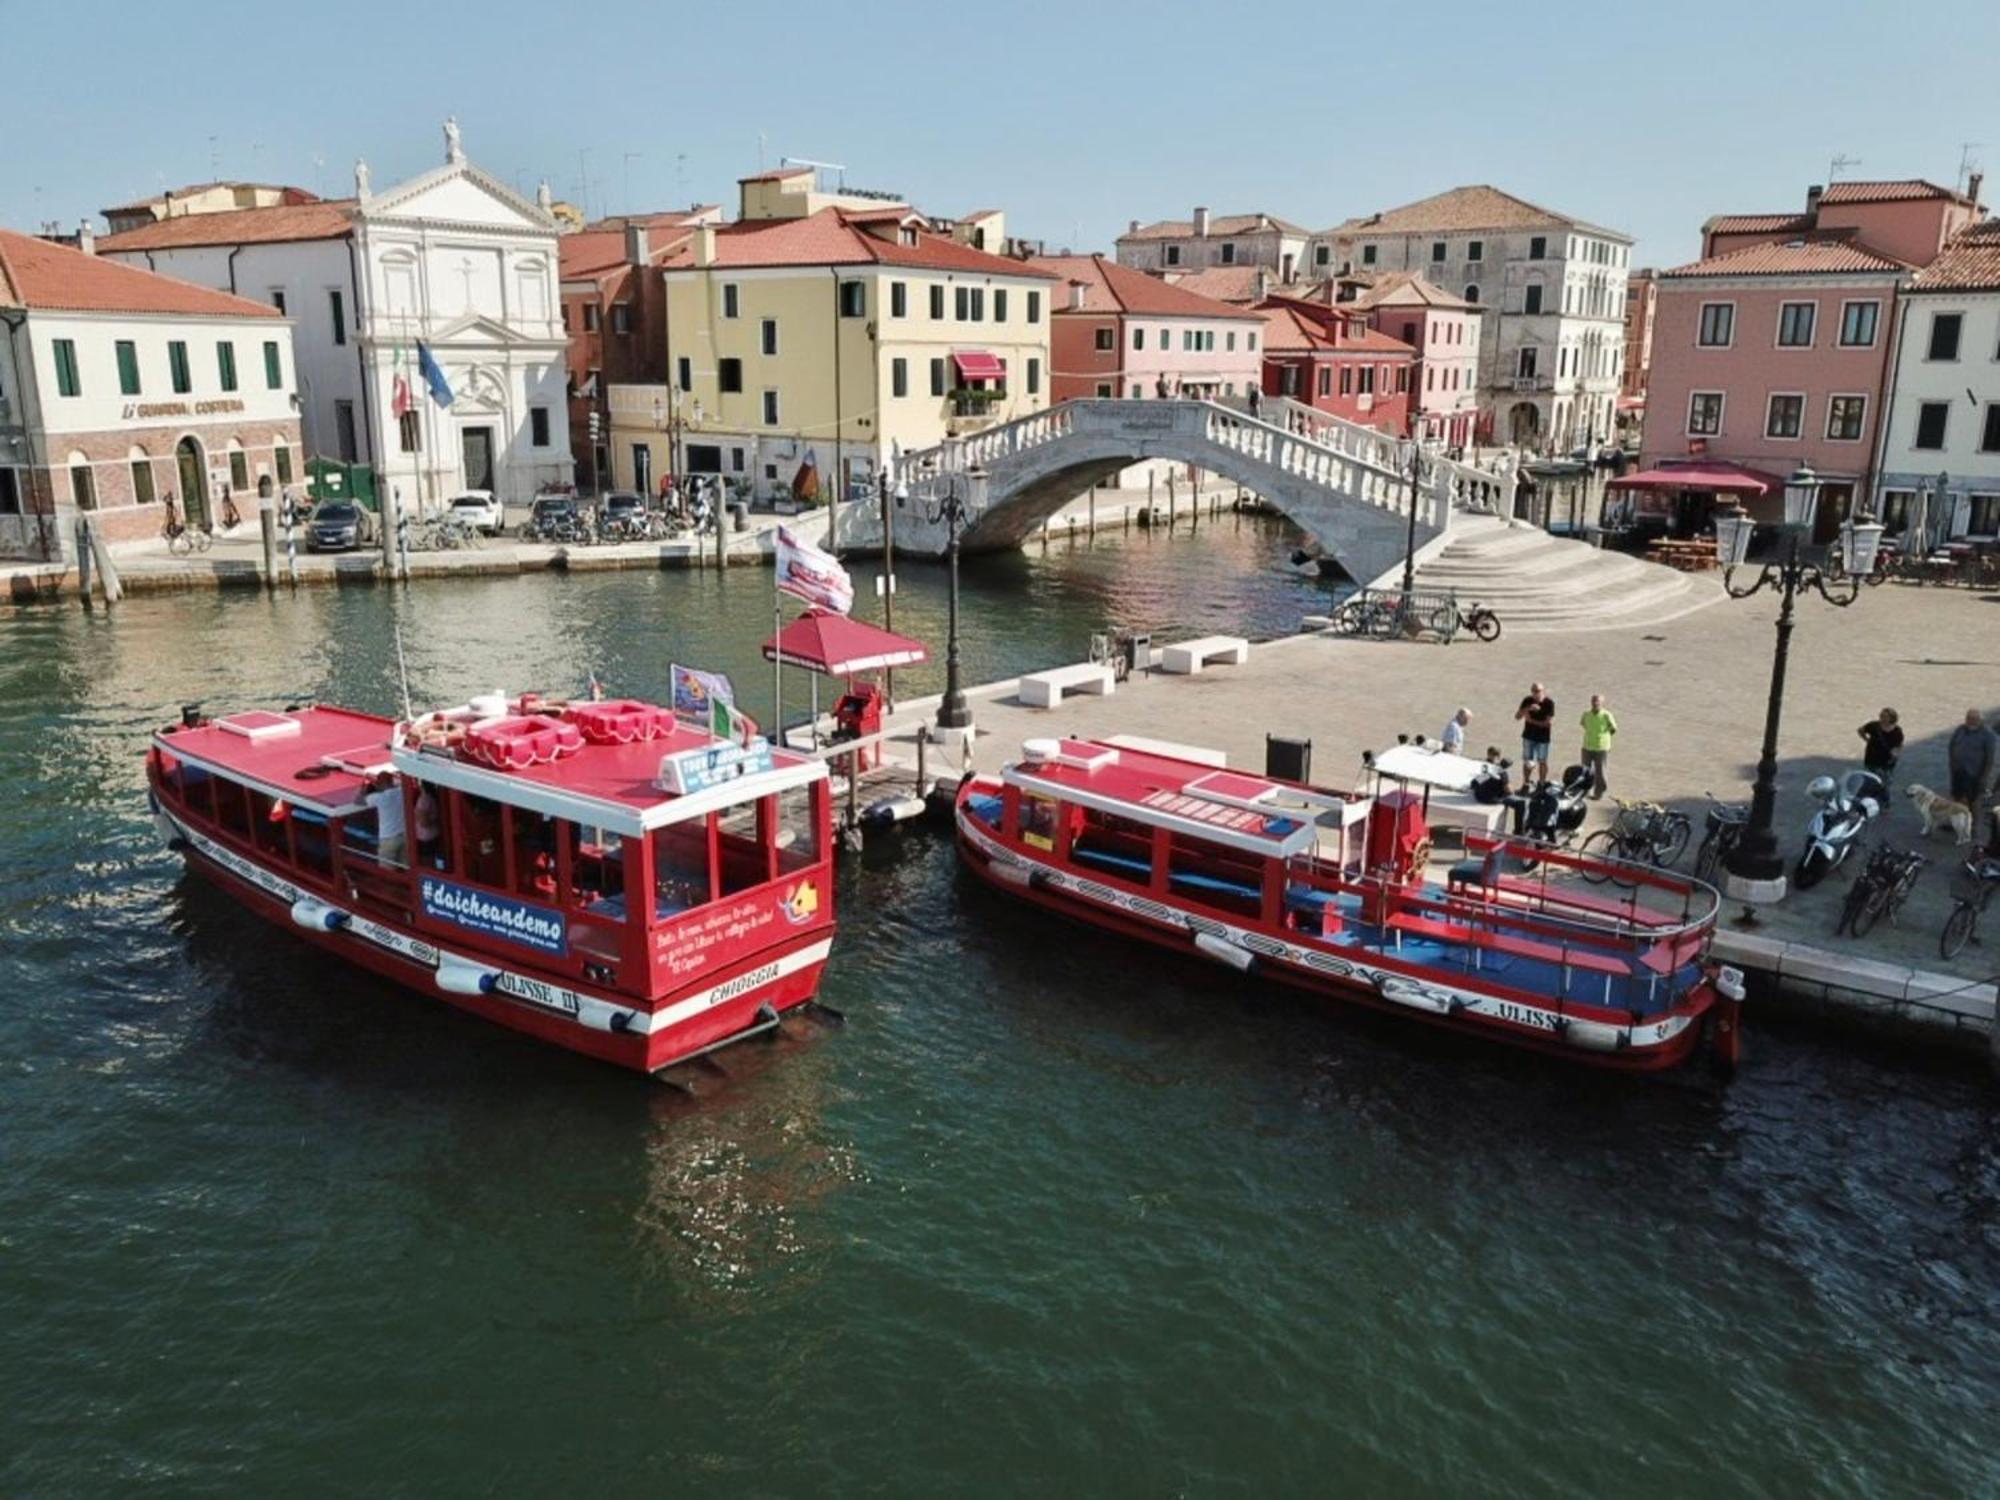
1592	959
600	875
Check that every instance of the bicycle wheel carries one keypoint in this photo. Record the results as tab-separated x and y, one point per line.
1486	625
1603	844
1443	622
1958	929
1383	620
1708	858
203	539
178	543
1874	903
1672	841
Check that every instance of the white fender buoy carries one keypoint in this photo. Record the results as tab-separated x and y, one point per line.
1416	996
1012	873
891	810
456	976
317	916
1223	951
1594	1036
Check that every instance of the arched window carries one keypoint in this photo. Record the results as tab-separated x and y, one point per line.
82	483
281	458
1472	294
142	475
239	467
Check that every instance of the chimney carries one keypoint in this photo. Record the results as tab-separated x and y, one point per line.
1076	295
1972	186
1133	228
1201	223
637	250
704	245
86	237
1263	284
1813	195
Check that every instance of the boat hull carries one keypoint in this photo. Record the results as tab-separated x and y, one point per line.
601	1024
1455	1001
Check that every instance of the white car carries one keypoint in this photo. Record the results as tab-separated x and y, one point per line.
479	510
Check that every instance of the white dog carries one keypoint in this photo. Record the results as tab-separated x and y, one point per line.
1938	812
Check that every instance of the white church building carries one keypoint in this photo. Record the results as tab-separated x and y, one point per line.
452	259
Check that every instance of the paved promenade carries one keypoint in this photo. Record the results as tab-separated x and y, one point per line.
1689	696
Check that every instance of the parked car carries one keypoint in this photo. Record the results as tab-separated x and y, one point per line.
479	510
623	514
554	518
337	526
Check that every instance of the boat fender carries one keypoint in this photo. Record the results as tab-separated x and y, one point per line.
1729	982
1224	951
1417	996
889	811
457	977
316	916
1594	1036
1013	874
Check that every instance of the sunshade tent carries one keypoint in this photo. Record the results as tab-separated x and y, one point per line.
1726	479
821	641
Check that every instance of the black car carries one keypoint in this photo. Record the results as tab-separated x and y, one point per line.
336	526
553	518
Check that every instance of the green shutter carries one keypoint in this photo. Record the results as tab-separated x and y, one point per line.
128	367
177	364
67	383
274	375
225	364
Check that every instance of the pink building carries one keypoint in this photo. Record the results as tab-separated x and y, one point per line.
1444	330
1772	350
1119	332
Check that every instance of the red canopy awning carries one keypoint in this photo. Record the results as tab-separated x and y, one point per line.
977	364
1723	478
823	642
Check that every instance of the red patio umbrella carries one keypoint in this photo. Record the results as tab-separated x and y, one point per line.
821	641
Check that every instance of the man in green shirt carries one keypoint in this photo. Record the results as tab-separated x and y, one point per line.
1599	729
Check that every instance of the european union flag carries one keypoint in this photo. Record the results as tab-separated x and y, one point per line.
433	374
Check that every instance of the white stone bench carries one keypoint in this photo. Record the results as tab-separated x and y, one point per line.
1045	689
1185	658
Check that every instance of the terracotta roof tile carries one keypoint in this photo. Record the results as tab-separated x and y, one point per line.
828	239
1226	283
1969	262
1409	289
1111	287
1297	326
593	252
1755	223
1894	191
1825	257
243	226
1478	206
1219	226
38	275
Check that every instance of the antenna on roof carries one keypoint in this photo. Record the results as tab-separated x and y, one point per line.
1840	164
1967	162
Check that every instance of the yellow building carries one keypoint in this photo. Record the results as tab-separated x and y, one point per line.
833	326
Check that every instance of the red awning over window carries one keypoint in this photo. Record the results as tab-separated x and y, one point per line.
977	364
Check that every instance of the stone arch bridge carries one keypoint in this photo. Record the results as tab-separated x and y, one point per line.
1347	486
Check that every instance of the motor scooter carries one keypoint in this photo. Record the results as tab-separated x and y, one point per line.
1844	811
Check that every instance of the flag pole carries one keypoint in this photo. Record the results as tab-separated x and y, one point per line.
777	661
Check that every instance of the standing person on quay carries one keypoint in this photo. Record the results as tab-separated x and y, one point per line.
1453	738
1969	756
1600	728
1256	400
1884	736
1537	714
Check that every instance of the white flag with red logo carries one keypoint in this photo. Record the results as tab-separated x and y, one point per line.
808	573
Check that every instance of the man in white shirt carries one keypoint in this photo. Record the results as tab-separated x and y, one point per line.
391	843
1454	733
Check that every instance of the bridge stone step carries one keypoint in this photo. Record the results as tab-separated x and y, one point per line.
1540	583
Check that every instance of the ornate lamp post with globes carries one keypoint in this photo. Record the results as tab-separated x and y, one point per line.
1756	868
959	490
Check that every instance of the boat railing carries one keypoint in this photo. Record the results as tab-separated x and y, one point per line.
1639	901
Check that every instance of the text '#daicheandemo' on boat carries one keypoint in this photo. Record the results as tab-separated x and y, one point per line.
1596	960
601	875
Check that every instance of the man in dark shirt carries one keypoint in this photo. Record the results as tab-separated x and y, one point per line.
1537	714
1884	737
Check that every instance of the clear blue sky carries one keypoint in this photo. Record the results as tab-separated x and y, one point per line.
1073	117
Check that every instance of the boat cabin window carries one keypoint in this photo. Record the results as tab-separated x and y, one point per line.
680	867
797	835
312	842
1215	876
533	842
430	829
232	813
1038	820
267	826
1121	848
596	865
742	857
482	854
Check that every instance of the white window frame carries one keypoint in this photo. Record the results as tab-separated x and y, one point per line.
1874	332
1721	414
1778	328
1833	396
1804	412
1701	317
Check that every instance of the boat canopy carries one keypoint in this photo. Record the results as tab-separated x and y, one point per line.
1425	765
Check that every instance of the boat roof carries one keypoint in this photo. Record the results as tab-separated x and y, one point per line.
1253	813
1428	765
317	758
617	787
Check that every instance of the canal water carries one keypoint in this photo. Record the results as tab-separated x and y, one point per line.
1048	1215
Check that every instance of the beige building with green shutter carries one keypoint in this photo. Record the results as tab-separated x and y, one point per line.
834	326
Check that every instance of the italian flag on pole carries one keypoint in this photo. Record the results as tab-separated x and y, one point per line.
728	723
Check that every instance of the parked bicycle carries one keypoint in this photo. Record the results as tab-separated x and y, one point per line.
1642	833
444	535
1481	621
1971	892
1389	614
182	538
1880	890
1725	824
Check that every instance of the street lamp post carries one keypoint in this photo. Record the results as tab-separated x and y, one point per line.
954	712
1410	542
1756	870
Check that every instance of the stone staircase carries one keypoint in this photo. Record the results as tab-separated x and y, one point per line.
1539	583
